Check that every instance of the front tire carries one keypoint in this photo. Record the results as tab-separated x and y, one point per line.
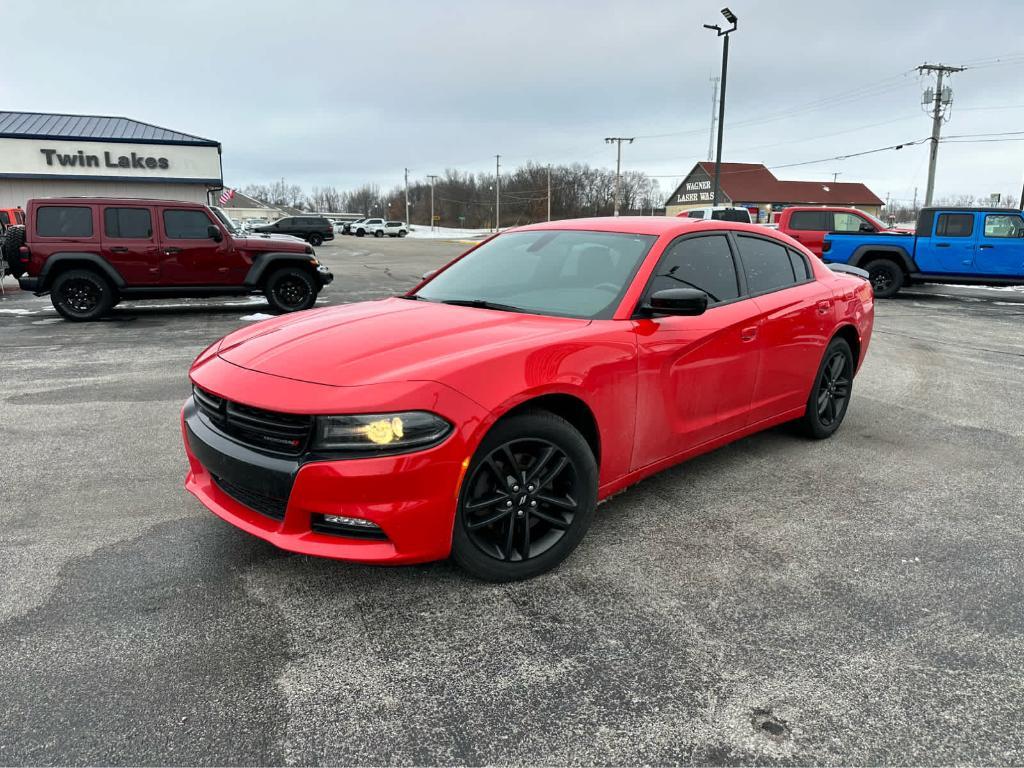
830	394
360	232
527	500
81	295
886	277
290	289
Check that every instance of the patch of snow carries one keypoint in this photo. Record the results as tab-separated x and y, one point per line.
448	233
256	317
16	311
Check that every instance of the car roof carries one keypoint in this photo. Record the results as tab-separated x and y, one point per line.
116	200
645	225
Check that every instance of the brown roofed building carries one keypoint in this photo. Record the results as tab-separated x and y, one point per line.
753	186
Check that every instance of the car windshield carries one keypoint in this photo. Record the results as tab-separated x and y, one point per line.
225	221
567	273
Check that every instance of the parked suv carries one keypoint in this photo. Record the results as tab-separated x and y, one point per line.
393	229
366	227
313	229
89	253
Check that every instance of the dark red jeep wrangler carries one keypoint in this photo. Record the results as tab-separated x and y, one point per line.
89	253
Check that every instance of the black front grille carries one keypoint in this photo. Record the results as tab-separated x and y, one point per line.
268	431
258	502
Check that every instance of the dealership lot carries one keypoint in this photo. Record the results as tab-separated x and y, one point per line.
777	600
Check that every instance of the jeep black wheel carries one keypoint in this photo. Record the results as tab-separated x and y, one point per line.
886	278
290	289
82	295
527	500
316	240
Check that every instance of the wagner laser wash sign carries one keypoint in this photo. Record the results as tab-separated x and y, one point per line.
43	155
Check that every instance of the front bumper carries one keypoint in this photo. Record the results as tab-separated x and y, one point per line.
411	497
324	275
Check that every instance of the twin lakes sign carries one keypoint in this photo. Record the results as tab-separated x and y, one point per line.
97	160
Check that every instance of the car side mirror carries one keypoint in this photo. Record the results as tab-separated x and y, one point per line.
677	301
214	233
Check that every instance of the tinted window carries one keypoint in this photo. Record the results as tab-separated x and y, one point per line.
801	268
571	273
767	265
1004	225
127	222
811	221
4	218
695	215
394	224
704	263
955	225
849	222
64	221
186	225
732	214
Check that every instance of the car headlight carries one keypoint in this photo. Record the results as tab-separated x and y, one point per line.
380	432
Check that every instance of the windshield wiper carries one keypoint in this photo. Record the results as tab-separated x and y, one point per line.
481	304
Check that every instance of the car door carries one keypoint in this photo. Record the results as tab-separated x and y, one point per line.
695	374
130	243
1000	249
810	227
950	250
794	319
190	256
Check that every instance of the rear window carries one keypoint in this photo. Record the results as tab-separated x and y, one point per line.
64	221
809	221
732	214
695	215
186	225
128	223
955	225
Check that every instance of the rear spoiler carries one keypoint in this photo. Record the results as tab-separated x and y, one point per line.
848	270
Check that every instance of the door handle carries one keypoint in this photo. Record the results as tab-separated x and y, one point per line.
986	246
119	249
942	245
171	251
748	334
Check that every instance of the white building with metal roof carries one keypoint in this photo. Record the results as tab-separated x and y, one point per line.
49	155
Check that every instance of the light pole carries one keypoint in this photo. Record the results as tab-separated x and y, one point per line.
731	18
432	177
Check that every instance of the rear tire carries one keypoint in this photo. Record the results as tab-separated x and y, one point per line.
886	277
401	233
82	295
290	289
830	393
379	233
527	499
316	240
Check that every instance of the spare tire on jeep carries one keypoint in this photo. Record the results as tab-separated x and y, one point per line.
13	239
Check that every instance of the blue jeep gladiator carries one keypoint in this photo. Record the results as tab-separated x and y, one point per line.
971	246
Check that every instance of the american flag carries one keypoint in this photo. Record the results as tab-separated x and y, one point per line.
226	195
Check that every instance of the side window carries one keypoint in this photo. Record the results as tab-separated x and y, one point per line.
848	222
285	222
1004	225
5	219
695	215
801	268
64	221
186	225
955	225
767	265
128	223
704	263
810	221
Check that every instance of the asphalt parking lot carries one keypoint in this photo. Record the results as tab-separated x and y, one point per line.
856	600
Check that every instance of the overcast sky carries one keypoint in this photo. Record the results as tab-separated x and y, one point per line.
343	93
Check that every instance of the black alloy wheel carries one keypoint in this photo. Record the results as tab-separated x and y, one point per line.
886	278
291	290
316	240
830	395
81	295
527	500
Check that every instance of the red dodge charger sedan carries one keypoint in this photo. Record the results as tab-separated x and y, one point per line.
485	413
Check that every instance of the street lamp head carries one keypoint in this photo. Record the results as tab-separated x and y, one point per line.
729	15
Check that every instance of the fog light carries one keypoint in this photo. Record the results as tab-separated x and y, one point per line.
339	520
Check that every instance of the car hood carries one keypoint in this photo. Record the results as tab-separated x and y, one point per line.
273	243
386	341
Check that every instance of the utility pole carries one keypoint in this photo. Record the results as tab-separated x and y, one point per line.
497	193
731	18
407	196
432	177
618	163
836	175
714	104
940	100
549	193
